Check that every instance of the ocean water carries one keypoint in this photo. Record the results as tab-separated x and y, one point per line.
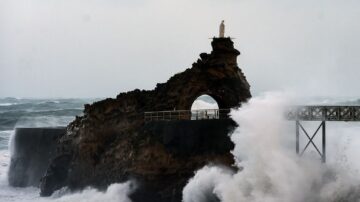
269	170
43	113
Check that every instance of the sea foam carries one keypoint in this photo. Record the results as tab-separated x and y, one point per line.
268	168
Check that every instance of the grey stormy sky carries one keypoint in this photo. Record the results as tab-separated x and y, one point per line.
98	48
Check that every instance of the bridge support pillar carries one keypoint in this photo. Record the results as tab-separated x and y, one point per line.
322	153
323	142
297	137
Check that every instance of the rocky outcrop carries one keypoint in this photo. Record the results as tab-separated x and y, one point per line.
112	143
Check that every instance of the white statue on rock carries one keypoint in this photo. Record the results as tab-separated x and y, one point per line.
222	30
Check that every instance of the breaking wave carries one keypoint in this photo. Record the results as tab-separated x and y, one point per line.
268	170
117	192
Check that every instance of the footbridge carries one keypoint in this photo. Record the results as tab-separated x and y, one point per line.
322	114
299	114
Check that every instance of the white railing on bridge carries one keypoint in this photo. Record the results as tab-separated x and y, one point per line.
187	115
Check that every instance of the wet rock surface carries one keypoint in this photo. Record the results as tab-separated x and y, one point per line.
32	151
111	142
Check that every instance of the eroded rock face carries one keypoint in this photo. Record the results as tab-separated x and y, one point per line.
112	143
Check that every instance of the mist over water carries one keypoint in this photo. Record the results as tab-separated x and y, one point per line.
268	170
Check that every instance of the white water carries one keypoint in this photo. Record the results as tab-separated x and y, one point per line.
270	171
117	192
114	193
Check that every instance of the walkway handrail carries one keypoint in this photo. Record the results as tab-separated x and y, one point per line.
318	113
324	113
187	115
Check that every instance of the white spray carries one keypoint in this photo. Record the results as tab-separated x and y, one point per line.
117	192
269	170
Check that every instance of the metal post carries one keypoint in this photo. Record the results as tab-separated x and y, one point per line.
297	136
323	142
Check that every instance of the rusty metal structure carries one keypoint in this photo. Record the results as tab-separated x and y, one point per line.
322	114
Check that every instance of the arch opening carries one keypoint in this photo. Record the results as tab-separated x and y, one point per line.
204	107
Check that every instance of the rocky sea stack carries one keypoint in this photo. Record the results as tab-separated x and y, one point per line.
112	142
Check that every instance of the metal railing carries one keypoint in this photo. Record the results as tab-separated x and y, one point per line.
187	115
324	113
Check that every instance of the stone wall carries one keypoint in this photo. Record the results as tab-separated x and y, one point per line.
32	150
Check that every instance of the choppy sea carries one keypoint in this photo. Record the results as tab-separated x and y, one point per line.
30	113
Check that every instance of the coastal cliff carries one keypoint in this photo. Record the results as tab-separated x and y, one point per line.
112	142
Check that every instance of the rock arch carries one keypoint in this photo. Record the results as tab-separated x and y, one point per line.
204	107
219	100
215	74
204	102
